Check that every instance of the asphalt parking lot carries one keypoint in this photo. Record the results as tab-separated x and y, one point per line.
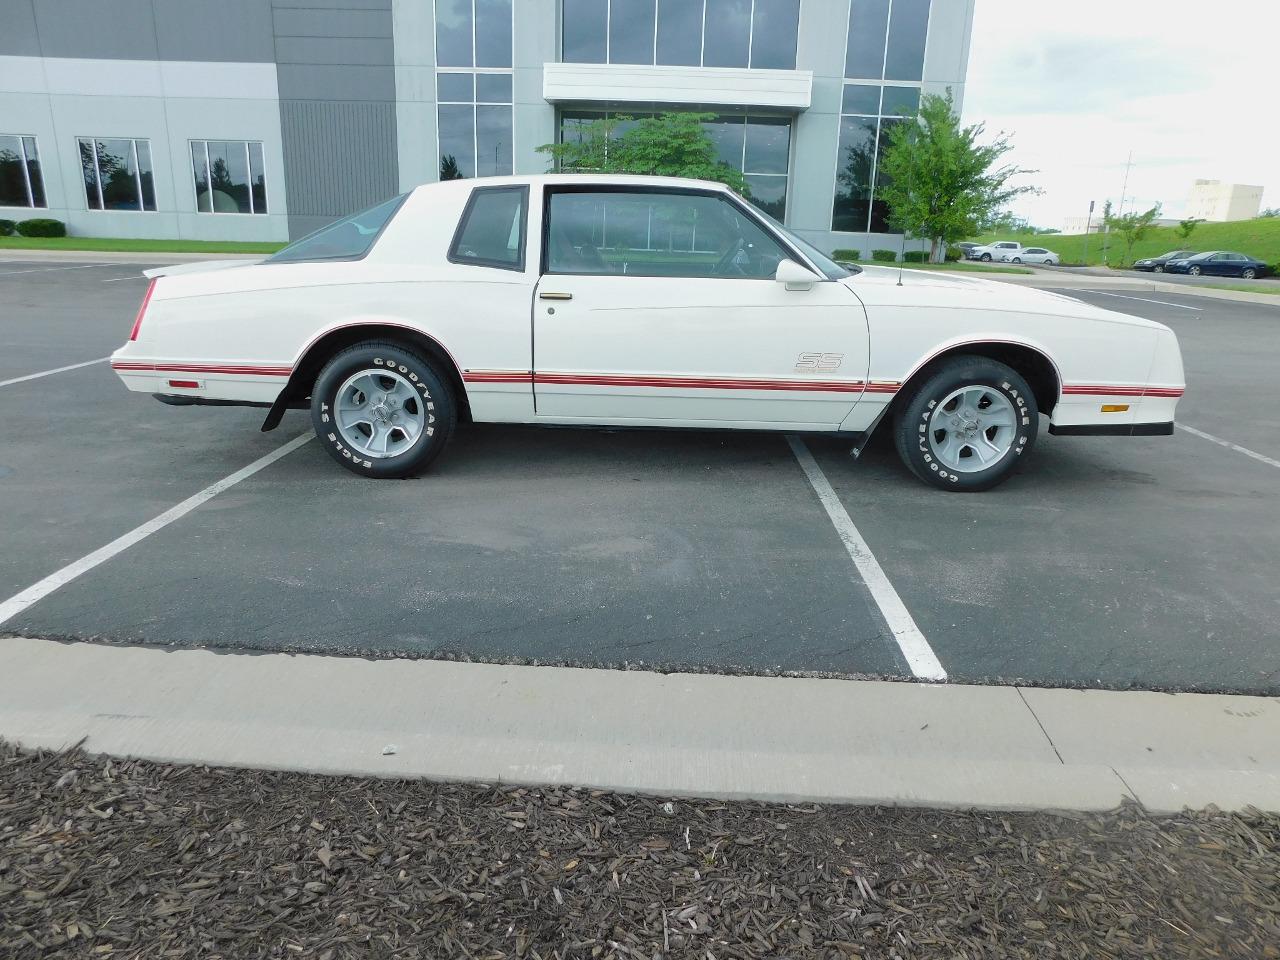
1145	562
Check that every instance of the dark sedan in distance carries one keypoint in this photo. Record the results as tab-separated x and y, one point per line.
1218	263
1157	264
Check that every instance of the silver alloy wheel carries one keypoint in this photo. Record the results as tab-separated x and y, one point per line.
379	413
972	429
1194	271
1249	273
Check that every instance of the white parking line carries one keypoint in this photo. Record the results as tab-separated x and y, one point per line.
37	591
1166	303
45	373
116	279
1229	445
915	648
80	266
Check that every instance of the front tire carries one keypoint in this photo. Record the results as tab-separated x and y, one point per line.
1017	259
1194	271
986	258
1158	269
382	410
967	425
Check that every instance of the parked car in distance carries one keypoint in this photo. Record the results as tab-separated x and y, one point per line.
1005	251
536	300
1040	255
1158	264
1218	263
964	247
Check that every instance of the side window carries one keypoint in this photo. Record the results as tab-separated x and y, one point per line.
347	239
656	235
492	229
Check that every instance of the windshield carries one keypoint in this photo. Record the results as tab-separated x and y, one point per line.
347	239
829	268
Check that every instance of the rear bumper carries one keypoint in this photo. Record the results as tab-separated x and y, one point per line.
1112	429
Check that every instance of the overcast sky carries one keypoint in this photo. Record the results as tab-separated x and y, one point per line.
1192	87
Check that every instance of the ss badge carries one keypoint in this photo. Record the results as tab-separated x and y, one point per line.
819	361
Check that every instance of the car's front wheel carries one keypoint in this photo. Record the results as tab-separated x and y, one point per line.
967	425
985	258
383	411
1017	259
1194	271
1158	268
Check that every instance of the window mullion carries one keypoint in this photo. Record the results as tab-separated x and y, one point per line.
248	175
208	178
702	41
751	31
137	174
97	176
26	171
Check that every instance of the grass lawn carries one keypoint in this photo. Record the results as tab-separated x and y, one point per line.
1257	238
1243	288
119	245
959	266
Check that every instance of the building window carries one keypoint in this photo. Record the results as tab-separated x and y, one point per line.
117	174
868	114
692	33
886	40
757	146
473	88
229	176
20	182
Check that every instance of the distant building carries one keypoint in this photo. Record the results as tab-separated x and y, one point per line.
1214	200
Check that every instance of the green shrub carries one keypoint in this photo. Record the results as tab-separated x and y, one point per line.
953	255
915	256
884	256
6	228
42	227
843	254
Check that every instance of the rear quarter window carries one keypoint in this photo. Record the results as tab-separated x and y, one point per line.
491	231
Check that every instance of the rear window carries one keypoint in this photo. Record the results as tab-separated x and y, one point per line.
347	239
491	231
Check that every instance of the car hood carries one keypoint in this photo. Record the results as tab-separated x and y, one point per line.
878	286
202	266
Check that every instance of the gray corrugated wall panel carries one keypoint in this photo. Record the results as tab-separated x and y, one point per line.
338	157
339	51
18	35
226	30
295	22
305	81
97	29
334	4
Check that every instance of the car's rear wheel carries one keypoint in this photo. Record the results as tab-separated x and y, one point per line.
1249	273
1194	271
382	411
967	425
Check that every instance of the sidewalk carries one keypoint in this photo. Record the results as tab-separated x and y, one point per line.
768	738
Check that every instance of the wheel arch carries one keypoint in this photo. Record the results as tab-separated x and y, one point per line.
317	353
1033	364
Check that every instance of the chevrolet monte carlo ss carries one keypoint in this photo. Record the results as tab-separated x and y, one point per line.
635	301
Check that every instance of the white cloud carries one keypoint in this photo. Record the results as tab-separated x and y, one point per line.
1188	86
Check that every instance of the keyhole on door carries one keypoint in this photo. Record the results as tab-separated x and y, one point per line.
551	310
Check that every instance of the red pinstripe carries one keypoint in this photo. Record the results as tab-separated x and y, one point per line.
699	383
247	369
1111	390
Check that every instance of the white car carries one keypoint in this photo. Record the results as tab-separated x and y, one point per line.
635	301
1005	251
1039	255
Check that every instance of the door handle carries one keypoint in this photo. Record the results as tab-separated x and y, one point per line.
550	295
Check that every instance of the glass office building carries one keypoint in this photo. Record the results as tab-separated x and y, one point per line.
262	119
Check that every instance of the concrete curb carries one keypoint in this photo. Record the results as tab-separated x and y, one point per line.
788	739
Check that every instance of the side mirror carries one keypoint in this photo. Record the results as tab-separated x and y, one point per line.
794	276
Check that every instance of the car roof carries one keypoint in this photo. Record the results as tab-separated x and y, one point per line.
605	179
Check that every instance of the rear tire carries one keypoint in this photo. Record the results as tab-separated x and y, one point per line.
382	410
1249	273
967	425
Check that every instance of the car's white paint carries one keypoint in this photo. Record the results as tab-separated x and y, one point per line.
629	349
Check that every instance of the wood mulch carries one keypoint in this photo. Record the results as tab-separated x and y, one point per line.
109	858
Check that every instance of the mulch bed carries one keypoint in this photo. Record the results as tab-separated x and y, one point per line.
104	858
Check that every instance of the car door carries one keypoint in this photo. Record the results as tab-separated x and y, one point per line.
660	306
1219	265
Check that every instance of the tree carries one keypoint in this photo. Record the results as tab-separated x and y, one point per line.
449	167
1270	212
1132	227
672	145
939	181
1186	228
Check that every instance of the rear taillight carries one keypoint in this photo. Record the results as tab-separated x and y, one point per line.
137	323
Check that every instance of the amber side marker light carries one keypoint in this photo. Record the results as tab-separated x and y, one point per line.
137	323
1114	407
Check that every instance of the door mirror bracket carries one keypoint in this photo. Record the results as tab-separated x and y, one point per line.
794	276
